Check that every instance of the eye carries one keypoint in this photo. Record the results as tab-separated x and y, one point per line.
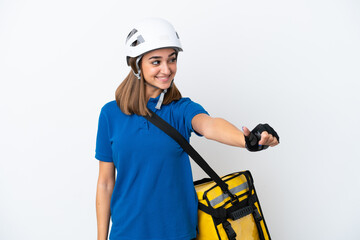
173	60
155	62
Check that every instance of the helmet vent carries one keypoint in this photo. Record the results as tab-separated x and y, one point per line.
177	35
131	34
138	41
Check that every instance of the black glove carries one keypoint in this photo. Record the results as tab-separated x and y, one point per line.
252	141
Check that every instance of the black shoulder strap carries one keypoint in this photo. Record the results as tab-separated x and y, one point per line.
173	133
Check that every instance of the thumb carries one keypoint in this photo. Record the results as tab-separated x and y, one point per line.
246	131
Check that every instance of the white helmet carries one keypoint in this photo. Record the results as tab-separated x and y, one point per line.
151	34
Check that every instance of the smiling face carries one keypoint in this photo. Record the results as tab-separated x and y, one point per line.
159	69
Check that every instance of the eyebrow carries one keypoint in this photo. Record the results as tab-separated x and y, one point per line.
157	57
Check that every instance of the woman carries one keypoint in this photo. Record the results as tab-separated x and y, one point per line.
152	195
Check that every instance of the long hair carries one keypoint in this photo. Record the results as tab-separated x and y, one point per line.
131	95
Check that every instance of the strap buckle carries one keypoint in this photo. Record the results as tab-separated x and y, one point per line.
257	215
229	230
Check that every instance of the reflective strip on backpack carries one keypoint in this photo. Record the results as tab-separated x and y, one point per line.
234	191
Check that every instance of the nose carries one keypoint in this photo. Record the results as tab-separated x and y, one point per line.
165	69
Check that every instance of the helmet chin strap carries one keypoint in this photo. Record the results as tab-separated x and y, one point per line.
161	99
137	68
162	95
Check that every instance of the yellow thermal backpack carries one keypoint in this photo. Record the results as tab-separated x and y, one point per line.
236	215
229	208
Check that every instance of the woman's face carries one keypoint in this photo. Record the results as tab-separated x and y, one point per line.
159	69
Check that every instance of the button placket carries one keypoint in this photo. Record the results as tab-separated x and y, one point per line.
143	125
146	124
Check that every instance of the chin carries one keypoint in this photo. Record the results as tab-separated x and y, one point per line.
164	86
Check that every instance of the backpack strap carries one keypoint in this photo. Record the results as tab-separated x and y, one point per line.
173	133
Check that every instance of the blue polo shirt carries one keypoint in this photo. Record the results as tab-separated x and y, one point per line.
154	196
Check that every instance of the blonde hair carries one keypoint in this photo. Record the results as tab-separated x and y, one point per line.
131	95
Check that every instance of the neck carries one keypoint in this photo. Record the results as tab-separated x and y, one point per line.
152	91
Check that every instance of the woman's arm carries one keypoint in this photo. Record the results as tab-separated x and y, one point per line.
220	130
105	187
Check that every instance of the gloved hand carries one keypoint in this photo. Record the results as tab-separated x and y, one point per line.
260	138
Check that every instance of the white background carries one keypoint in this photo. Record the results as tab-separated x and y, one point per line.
292	64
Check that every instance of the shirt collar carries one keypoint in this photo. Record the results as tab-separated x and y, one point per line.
152	103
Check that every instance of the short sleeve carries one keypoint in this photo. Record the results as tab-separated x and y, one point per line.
103	150
190	110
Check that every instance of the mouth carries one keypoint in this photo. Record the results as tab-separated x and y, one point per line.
163	78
